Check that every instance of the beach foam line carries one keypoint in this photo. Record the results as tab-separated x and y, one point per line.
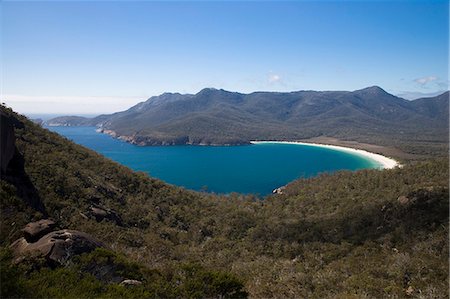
383	161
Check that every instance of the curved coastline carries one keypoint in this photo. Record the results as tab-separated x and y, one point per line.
383	161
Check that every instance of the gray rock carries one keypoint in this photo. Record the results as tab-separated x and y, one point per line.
33	231
100	213
403	200
279	190
57	247
130	282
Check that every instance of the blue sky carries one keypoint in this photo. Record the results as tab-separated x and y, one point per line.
93	57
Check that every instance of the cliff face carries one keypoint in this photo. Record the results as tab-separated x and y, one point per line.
7	140
12	168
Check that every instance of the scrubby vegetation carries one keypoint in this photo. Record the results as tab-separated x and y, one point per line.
93	275
350	234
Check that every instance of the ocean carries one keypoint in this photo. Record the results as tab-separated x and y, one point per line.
250	169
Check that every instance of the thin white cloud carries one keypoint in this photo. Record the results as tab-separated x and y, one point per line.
273	78
425	80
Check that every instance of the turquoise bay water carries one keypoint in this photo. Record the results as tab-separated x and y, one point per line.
257	169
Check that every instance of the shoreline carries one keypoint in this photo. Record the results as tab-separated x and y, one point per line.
383	161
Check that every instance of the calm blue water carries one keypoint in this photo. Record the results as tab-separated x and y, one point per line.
254	169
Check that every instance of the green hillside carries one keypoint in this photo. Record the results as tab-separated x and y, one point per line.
358	234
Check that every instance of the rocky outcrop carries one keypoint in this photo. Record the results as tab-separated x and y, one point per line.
35	230
279	190
100	213
403	200
56	247
130	282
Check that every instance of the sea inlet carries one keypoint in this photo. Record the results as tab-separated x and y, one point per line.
256	169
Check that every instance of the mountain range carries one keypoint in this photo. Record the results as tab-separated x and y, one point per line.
220	117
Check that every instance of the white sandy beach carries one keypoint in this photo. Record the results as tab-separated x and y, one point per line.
383	161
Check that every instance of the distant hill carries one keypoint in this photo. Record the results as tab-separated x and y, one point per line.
221	117
68	121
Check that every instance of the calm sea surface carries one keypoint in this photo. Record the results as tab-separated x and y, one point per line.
254	169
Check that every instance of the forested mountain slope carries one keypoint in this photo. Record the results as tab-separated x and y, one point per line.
221	117
358	234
